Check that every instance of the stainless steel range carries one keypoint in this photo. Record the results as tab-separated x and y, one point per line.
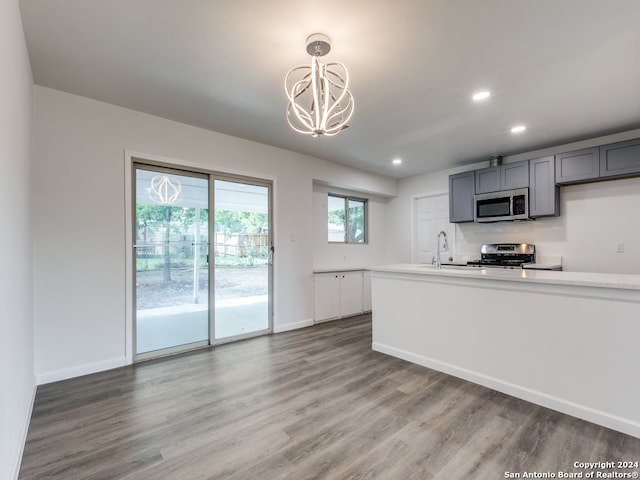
505	255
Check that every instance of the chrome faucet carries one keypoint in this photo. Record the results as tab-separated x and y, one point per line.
445	247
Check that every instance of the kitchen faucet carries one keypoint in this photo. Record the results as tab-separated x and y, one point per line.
445	247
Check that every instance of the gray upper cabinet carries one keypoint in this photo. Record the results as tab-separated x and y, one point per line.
503	177
543	177
514	175
461	197
620	159
488	180
544	194
578	166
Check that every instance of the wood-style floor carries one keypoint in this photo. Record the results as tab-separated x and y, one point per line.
315	403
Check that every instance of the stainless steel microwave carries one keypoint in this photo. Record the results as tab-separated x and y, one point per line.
503	205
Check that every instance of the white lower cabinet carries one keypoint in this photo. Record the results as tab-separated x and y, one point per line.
340	294
351	293
326	289
366	300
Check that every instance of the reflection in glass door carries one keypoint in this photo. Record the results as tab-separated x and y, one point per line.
243	253
171	260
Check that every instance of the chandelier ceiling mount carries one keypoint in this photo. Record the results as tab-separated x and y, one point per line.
320	102
318	45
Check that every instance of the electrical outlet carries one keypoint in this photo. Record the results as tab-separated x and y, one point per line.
619	247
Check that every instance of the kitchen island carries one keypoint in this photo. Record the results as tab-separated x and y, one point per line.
565	340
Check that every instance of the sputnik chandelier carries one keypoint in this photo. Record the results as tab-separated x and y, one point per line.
320	102
165	190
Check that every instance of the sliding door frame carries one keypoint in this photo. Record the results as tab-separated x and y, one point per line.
172	350
135	159
249	181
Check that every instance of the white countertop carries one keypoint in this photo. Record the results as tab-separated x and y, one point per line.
339	269
582	279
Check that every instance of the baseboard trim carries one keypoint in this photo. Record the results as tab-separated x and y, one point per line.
17	462
584	412
292	326
86	369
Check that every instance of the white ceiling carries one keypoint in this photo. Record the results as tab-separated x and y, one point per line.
568	69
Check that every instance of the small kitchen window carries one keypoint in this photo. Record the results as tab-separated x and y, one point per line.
347	219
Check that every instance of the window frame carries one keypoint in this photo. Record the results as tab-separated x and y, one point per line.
346	199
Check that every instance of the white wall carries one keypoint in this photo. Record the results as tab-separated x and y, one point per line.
16	322
400	232
79	227
594	217
338	255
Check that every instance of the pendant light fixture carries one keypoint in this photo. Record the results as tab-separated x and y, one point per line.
320	102
165	190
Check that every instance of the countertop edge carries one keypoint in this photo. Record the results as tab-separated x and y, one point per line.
340	269
578	279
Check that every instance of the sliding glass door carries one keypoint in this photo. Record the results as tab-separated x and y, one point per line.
242	258
171	260
199	237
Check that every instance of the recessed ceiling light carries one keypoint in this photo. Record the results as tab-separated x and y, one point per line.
518	129
396	161
481	95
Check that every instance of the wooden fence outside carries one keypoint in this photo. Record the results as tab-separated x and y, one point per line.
241	245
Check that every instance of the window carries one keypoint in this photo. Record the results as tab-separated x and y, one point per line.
347	219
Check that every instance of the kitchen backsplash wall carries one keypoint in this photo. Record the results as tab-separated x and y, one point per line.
595	219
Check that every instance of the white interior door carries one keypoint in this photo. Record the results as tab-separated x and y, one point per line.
431	215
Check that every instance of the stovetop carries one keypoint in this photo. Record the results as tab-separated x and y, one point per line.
505	255
497	263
